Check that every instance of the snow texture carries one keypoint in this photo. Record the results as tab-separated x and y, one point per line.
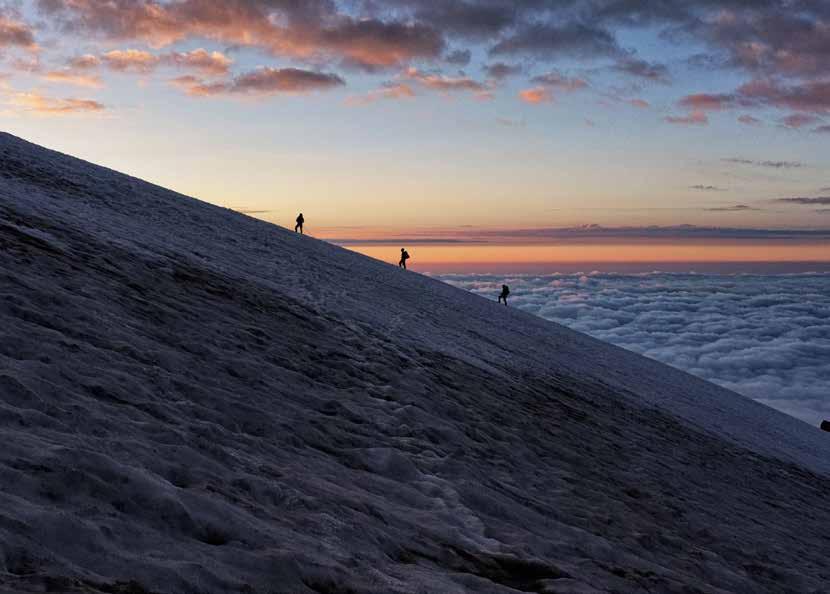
192	400
764	336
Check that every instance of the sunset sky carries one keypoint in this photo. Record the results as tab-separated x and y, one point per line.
420	119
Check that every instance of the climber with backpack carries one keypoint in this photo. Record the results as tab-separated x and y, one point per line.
404	258
505	291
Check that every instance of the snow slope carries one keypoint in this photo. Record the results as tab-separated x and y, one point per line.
192	400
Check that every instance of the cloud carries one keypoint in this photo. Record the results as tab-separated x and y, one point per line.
696	118
779	48
707	102
468	19
143	62
556	40
824	200
557	81
765	336
194	86
822	129
30	64
447	84
593	233
748	120
637	68
130	60
536	95
459	57
390	91
67	77
262	82
268	81
596	235
85	62
798	120
38	104
771	38
811	97
376	44
547	83
769	164
500	70
249	211
704	188
201	60
314	30
616	95
734	208
14	33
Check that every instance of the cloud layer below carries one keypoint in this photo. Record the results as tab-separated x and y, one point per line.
767	337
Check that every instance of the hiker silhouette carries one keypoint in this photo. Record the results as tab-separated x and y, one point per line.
505	291
299	225
404	258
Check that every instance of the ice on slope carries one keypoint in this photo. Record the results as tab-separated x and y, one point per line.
203	402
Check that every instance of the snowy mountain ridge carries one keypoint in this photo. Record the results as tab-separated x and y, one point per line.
203	402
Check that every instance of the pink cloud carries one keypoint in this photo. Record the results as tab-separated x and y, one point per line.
261	82
85	62
16	34
748	120
210	63
799	120
69	77
131	60
812	97
446	84
43	105
310	31
536	95
706	102
388	92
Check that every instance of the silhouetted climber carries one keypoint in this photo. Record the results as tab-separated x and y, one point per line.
505	291
299	225
404	258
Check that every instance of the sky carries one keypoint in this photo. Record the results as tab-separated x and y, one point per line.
476	122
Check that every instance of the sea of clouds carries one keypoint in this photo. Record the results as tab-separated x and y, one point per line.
764	336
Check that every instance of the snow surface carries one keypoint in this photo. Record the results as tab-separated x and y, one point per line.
766	336
192	400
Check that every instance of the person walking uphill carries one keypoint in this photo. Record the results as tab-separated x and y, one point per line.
299	226
404	258
505	291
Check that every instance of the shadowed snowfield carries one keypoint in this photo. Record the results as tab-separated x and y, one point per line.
197	401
